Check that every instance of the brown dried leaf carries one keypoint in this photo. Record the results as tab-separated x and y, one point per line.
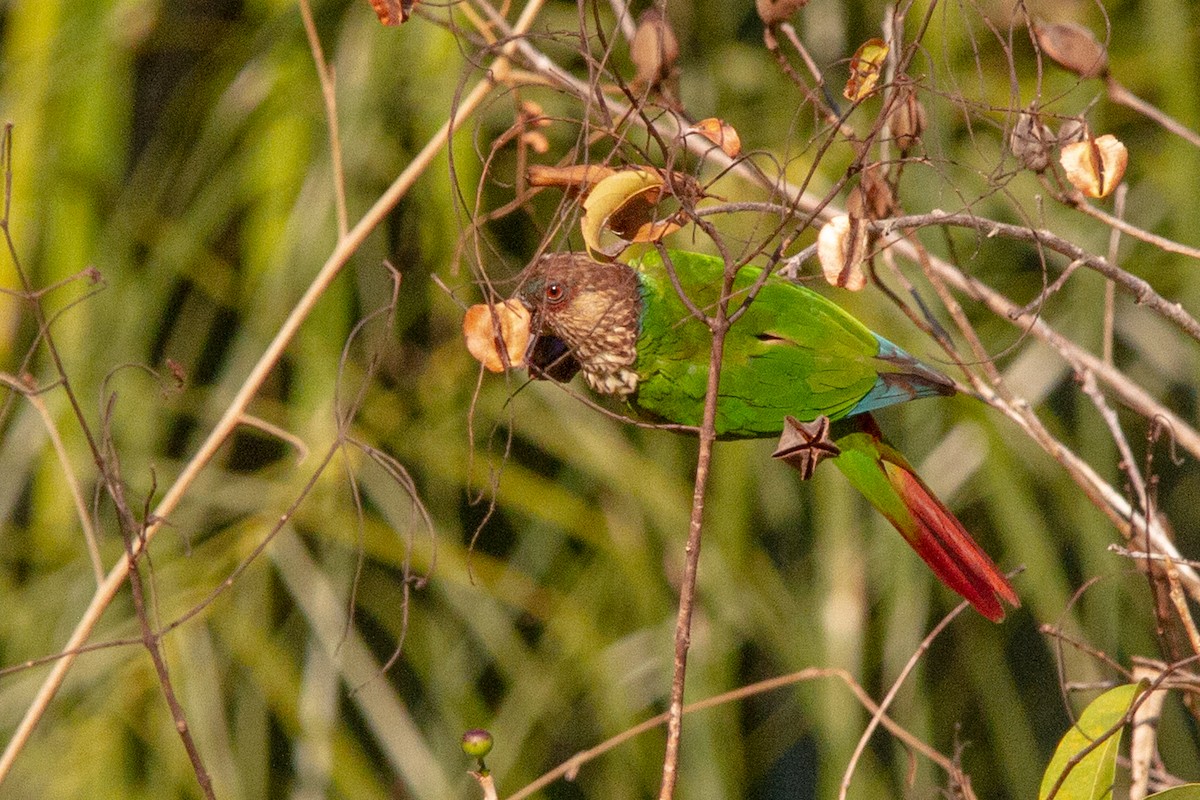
841	247
865	67
511	320
1073	47
720	133
655	231
1095	166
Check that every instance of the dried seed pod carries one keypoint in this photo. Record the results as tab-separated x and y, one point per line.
720	133
872	197
1073	47
480	334
1031	141
654	48
907	120
841	247
773	12
1095	166
1072	130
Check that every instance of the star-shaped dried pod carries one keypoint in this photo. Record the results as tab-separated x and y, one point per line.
804	445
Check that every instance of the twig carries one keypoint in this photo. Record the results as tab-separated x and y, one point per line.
1181	607
719	326
1127	462
486	784
81	507
1110	289
1077	201
1144	735
1139	555
1140	290
1119	94
325	75
923	648
251	421
571	766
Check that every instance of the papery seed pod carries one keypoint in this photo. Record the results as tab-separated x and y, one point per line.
1072	130
841	246
1073	47
907	120
773	12
654	48
720	133
1095	166
479	332
1031	141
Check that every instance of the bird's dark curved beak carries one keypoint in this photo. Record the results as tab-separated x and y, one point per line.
547	357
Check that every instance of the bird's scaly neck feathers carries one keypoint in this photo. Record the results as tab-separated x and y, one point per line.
595	309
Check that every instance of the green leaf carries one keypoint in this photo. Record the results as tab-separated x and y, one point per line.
1189	792
1091	777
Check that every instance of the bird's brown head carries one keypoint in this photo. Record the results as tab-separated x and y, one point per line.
594	309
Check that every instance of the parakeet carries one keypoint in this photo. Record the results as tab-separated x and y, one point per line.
793	363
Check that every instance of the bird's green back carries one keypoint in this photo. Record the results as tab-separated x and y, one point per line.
793	352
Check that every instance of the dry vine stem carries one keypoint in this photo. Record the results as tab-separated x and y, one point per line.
345	248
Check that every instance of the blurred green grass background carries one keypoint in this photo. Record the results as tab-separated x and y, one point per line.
181	149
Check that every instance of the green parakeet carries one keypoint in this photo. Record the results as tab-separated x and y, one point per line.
793	363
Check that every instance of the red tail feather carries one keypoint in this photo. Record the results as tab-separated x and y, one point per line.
945	545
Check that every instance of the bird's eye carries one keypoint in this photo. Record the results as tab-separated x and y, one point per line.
555	292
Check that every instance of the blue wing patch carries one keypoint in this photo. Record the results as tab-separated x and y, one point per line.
901	378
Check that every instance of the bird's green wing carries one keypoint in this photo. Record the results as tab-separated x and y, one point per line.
793	352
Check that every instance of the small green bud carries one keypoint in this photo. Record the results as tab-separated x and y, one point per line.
477	743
